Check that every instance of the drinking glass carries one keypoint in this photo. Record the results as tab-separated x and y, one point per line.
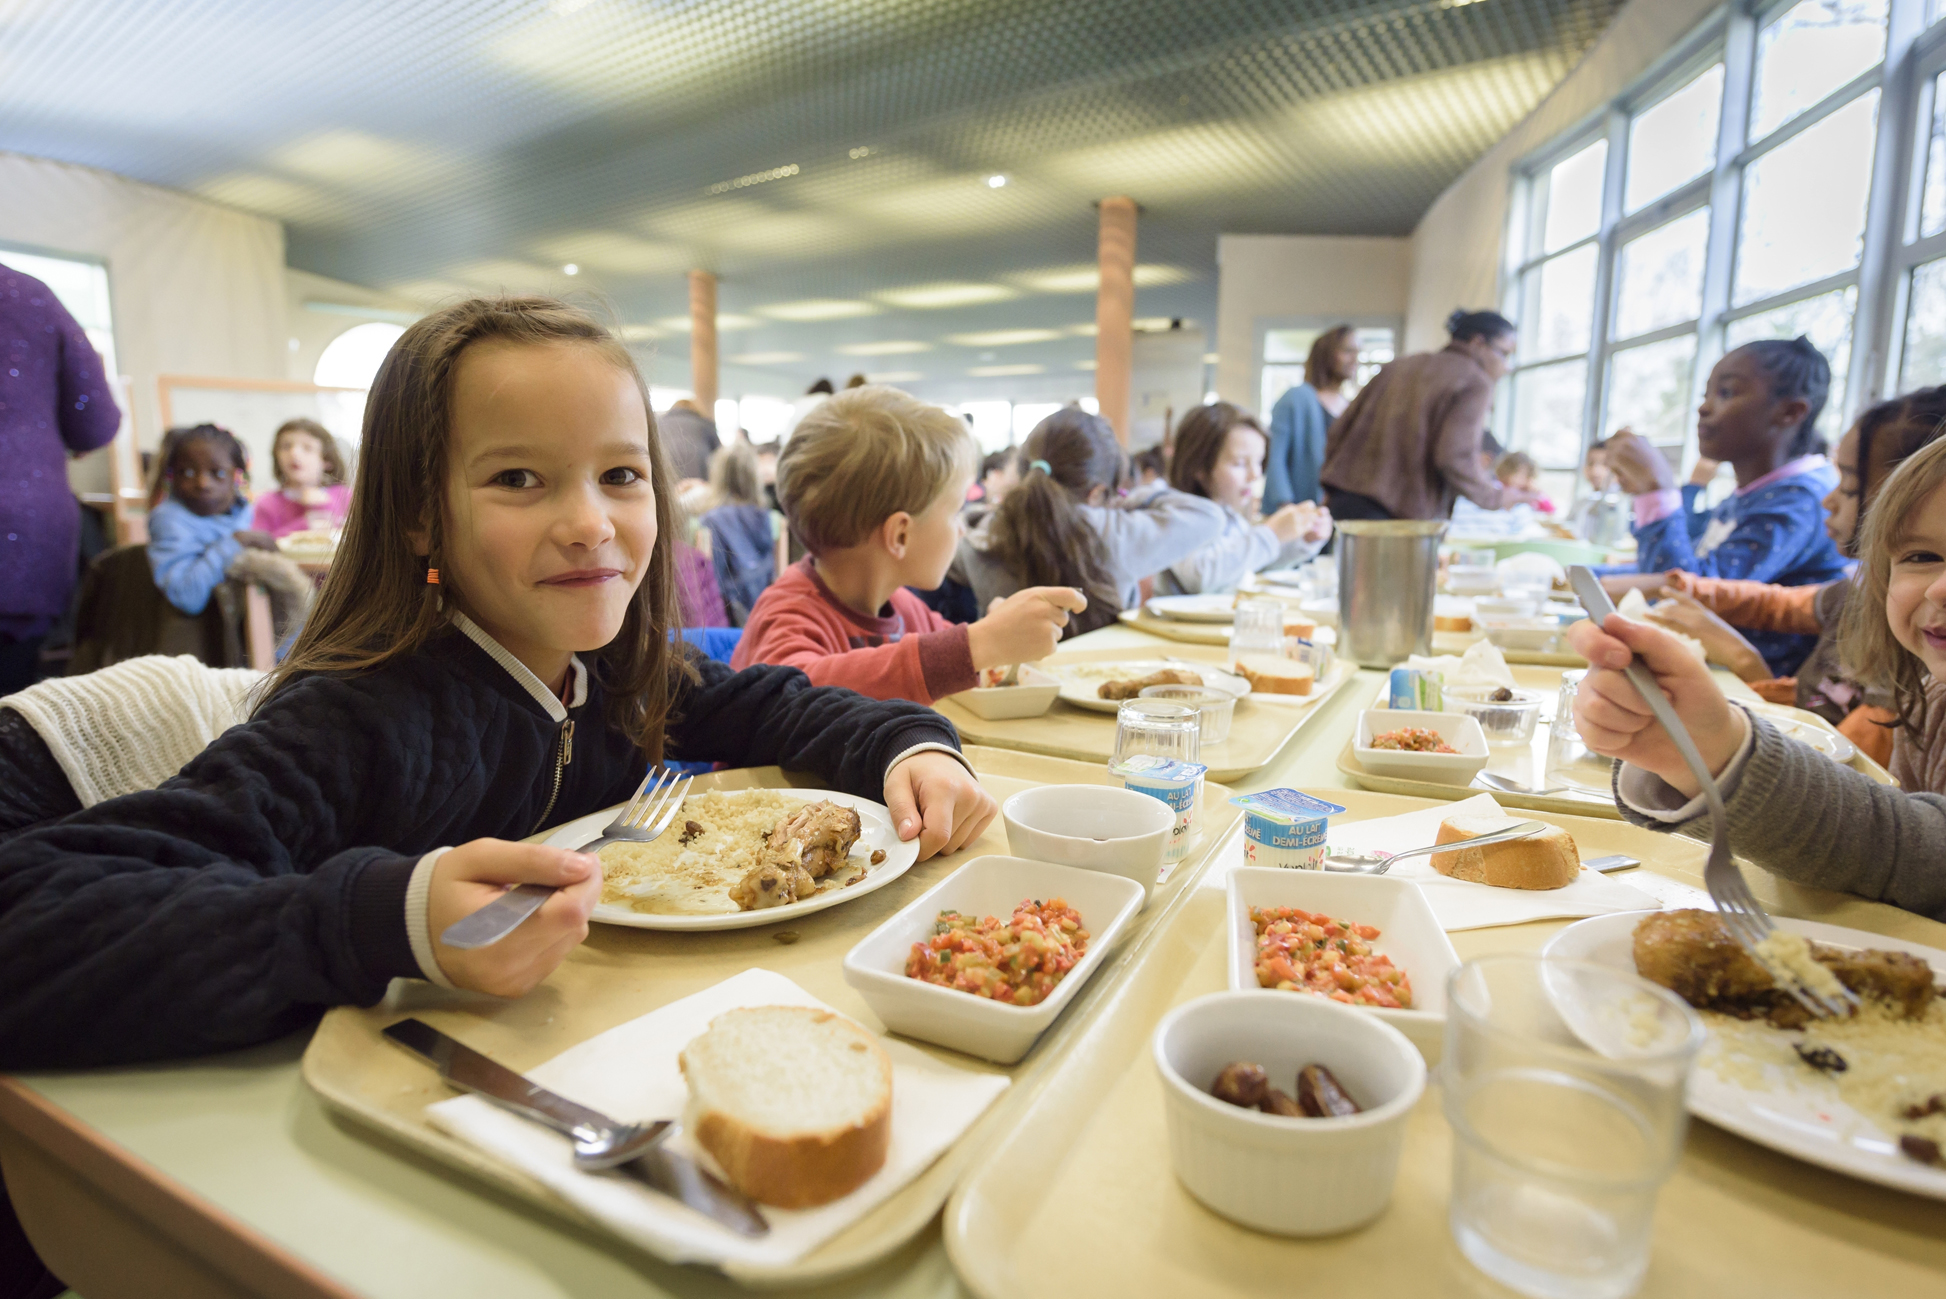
1258	628
1569	759
1168	730
1564	1084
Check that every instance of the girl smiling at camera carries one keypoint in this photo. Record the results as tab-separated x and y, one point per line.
490	656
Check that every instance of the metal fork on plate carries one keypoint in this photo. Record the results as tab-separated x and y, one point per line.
644	817
1743	916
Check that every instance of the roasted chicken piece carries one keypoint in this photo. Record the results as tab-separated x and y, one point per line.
817	837
1692	955
1130	688
772	884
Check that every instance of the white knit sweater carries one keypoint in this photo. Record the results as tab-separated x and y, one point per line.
132	726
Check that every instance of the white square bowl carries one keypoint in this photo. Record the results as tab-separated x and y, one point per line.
1408	932
986	886
1532	634
1034	695
1457	729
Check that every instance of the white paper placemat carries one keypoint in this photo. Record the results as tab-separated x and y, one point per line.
630	1074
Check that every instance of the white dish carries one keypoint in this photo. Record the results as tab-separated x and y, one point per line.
1091	827
1531	634
1457	729
1500	606
986	886
1831	744
1194	608
1800	1114
1290	1176
1081	681
1408	932
1472	581
876	833
1034	695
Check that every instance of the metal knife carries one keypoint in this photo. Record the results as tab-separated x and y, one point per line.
1616	862
674	1175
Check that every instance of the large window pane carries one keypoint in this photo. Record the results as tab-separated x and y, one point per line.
1932	210
1804	204
1809	51
1574	197
1922	363
1563	305
1659	277
1547	412
1826	321
1649	389
1675	140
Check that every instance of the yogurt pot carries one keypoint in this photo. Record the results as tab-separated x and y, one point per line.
1175	782
1284	829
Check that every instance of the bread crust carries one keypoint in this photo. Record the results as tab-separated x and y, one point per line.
1296	682
806	1169
1548	860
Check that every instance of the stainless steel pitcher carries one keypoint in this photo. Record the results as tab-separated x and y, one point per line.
1386	574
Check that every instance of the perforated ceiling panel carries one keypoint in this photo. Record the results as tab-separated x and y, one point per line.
832	161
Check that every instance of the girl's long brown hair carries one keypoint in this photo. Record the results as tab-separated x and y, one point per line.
1039	534
1199	443
376	604
1867	645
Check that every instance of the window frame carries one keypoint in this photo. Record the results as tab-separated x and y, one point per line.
1882	277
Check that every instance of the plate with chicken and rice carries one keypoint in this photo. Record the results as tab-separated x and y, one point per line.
733	859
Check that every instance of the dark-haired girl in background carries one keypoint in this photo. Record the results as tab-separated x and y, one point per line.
204	524
1410	441
1759	412
1062	526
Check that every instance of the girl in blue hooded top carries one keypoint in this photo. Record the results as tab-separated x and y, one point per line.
1759	413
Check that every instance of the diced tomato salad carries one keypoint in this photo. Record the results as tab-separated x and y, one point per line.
1017	962
1300	951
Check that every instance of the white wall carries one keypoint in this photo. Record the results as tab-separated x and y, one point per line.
196	288
1456	247
1260	276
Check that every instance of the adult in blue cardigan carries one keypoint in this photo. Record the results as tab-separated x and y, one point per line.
54	399
1302	416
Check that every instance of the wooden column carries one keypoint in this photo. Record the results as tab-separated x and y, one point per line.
1115	312
702	340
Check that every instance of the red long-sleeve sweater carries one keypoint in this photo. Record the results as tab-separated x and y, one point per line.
907	652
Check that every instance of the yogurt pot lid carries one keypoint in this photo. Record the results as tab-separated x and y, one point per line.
1156	768
1285	805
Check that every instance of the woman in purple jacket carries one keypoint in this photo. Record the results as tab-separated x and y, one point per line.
54	398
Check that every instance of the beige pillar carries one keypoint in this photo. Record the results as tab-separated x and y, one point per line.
1115	312
702	340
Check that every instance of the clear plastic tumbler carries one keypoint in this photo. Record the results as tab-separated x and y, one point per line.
1564	1084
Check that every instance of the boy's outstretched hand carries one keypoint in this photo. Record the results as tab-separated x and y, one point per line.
933	795
1615	720
474	874
1023	628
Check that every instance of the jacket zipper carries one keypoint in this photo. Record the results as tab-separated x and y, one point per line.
561	761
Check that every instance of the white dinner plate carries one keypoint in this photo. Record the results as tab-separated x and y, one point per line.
875	833
1831	744
1081	681
1195	608
1795	1111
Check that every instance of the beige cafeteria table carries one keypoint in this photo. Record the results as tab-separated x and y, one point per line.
233	1159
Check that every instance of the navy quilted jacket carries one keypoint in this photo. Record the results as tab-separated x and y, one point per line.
267	880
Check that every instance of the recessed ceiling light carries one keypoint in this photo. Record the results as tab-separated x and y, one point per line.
638	333
886	347
1084	365
926	297
1004	337
996	181
570	269
1002	371
814	309
767	358
1211	358
895	376
724	323
1086	279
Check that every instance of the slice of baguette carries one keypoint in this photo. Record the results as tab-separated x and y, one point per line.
1548	860
794	1104
1452	622
1275	676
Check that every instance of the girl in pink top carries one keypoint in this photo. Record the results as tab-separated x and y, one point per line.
311	492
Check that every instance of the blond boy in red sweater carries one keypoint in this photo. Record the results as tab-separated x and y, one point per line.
872	481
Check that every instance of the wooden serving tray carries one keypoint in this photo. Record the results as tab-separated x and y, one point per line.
1079	1198
1258	733
1528	765
620	974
